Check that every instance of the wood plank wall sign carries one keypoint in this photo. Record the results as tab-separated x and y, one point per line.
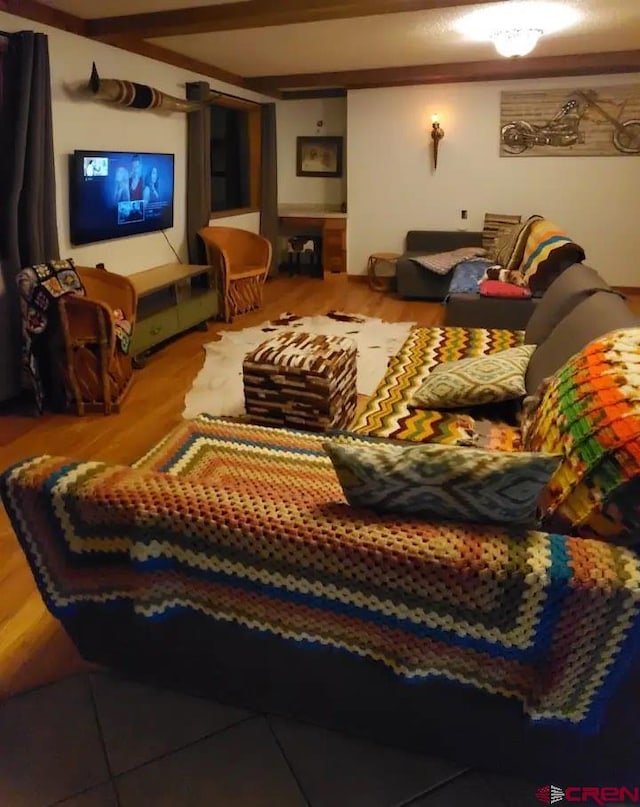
584	121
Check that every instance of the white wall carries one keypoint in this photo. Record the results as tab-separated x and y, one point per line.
299	118
85	124
245	221
392	187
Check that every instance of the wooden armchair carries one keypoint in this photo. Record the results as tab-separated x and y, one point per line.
97	373
242	261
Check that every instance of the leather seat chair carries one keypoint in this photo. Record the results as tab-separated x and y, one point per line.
242	260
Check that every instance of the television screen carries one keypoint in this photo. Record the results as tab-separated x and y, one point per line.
118	193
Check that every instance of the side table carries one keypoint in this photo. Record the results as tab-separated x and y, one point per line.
380	282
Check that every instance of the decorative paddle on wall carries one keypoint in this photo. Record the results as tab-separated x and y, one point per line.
138	96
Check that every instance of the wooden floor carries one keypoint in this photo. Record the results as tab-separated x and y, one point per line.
33	648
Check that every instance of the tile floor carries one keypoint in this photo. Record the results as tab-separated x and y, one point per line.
99	741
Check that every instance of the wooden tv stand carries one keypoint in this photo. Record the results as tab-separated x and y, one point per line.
171	299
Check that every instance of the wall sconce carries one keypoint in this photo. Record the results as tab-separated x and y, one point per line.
436	135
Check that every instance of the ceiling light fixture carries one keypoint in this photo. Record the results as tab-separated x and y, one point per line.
515	26
511	42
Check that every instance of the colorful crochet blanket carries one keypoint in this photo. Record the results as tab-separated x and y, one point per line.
39	286
248	525
390	413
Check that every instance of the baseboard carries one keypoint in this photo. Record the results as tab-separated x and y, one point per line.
357	278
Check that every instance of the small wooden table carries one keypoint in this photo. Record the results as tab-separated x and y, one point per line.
380	282
171	299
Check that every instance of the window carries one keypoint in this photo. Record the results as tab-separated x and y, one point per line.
235	156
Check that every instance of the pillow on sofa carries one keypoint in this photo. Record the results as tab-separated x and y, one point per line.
477	380
494	225
590	414
467	484
509	248
443	262
498	288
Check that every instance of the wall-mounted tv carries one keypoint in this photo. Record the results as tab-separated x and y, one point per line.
114	194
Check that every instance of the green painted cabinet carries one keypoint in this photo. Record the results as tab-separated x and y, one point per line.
171	299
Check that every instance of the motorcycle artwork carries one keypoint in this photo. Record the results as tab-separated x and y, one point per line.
565	129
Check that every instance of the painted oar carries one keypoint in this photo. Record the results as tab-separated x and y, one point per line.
139	96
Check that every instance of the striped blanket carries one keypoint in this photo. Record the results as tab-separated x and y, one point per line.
390	413
547	253
247	525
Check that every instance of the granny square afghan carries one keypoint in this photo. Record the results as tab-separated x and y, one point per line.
247	526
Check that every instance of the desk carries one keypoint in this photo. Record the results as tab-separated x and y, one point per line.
332	226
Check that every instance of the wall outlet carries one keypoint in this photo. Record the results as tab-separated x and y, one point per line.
464	215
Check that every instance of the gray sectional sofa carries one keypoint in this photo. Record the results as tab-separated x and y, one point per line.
463	310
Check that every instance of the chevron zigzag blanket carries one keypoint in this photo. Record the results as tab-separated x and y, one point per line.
248	525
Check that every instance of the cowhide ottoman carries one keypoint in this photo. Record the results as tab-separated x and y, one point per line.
301	381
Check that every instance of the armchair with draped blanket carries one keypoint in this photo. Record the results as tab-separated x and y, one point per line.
96	330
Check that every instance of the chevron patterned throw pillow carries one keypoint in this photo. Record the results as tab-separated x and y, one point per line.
478	380
466	484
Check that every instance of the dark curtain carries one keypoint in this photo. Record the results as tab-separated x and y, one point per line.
28	224
198	170
269	182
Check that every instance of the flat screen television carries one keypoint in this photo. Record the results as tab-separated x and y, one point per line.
114	194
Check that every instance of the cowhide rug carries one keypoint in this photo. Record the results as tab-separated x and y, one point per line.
217	389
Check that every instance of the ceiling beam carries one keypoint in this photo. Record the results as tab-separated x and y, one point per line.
161	54
254	14
494	70
39	12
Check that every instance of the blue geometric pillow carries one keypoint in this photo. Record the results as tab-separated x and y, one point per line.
454	482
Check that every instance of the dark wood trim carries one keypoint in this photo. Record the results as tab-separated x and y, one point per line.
255	14
298	95
495	70
357	278
161	54
39	12
255	157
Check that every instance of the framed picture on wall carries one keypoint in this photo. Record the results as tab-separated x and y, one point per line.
319	157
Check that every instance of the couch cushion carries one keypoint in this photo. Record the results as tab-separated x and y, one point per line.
477	380
595	316
460	483
590	413
562	296
477	311
426	241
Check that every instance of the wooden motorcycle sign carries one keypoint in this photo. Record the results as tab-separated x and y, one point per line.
586	122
